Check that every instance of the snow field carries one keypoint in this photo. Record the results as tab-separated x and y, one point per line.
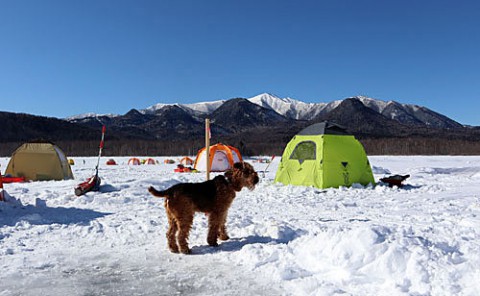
422	239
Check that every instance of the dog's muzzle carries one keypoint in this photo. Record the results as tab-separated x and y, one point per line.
255	179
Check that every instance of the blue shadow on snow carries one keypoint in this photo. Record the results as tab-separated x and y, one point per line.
236	244
43	215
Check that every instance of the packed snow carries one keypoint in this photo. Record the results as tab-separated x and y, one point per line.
421	239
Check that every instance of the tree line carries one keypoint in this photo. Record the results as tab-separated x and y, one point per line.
257	146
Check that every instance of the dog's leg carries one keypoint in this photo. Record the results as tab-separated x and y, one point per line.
172	233
213	227
185	224
223	230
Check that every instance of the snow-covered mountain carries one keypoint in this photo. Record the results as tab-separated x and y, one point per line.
89	115
288	107
194	109
403	113
298	110
409	113
263	122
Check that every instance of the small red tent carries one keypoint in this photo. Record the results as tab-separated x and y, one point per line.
111	161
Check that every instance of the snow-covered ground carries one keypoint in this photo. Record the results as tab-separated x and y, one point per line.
423	239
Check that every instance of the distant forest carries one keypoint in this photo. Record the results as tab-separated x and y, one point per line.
373	146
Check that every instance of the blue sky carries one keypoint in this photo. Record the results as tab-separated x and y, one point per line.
61	58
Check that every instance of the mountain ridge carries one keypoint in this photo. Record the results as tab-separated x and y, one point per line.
299	110
262	124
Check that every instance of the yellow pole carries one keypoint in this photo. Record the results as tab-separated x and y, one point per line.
207	146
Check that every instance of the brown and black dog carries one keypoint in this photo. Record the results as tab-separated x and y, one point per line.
212	197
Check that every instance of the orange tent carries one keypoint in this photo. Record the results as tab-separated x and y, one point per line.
134	161
221	158
150	161
186	161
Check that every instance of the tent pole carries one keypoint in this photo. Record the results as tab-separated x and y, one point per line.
207	146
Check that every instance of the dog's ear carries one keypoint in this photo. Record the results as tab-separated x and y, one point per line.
229	174
238	165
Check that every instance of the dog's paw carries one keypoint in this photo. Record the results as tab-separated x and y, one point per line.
224	237
186	251
173	248
213	243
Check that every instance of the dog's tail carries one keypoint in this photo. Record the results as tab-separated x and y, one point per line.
157	193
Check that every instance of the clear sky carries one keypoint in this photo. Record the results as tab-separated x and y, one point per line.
61	58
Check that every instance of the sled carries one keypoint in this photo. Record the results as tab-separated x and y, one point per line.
9	179
92	184
183	169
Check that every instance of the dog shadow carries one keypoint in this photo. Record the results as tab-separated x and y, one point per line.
236	244
43	215
406	187
107	188
410	187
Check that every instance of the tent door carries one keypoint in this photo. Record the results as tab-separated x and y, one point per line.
345	173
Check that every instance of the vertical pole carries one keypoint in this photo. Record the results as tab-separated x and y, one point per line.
100	149
207	146
2	195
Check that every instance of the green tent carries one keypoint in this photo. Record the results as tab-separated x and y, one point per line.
324	155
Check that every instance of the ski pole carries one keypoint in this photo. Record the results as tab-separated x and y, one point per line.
268	165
